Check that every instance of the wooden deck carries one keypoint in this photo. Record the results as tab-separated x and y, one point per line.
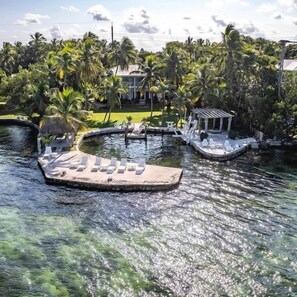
58	170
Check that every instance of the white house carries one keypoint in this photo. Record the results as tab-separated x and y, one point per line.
131	77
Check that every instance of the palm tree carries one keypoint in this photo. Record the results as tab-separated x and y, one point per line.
173	66
123	54
113	89
230	49
163	88
181	100
38	99
202	83
88	61
7	58
63	63
66	106
150	71
36	49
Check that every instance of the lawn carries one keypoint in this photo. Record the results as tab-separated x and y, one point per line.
138	114
118	115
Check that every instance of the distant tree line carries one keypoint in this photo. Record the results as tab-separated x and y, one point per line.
64	78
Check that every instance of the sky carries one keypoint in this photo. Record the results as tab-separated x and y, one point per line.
148	23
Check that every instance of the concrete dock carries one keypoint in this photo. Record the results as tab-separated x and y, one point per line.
216	148
59	169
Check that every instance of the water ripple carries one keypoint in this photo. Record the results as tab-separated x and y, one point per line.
228	230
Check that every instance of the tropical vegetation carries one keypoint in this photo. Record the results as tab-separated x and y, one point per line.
66	77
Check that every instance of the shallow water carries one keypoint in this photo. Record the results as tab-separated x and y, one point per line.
229	229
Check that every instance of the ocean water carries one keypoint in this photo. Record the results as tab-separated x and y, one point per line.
229	229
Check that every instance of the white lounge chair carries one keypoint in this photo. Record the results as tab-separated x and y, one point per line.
212	143
83	164
96	165
112	166
204	143
47	152
140	167
123	165
226	143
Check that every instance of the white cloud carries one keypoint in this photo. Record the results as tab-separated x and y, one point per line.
216	4
138	21
70	8
248	28
288	3
277	16
219	21
56	32
267	7
99	13
32	18
187	31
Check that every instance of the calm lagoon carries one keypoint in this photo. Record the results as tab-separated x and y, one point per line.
229	229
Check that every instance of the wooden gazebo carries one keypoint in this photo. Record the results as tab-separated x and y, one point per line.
211	114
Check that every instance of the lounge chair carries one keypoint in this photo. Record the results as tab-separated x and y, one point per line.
226	143
112	166
47	152
204	143
83	164
140	167
123	166
212	143
96	165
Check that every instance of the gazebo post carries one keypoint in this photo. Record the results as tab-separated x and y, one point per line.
221	124
206	124
229	124
213	123
199	125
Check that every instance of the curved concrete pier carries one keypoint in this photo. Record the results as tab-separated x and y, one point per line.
58	170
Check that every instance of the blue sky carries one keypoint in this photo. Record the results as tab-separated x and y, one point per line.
148	23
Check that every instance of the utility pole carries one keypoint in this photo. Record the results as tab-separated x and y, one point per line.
111	31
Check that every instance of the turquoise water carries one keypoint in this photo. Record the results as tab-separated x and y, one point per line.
228	230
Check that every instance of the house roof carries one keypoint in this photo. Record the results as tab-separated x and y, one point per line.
211	113
132	70
290	65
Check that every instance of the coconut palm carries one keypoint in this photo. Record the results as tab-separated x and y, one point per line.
181	99
202	83
63	63
88	61
66	106
150	71
36	50
7	58
229	54
113	89
123	53
173	66
161	87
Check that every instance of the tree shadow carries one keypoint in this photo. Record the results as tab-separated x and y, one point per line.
157	120
100	125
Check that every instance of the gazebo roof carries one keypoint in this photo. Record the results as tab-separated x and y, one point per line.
211	113
55	126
